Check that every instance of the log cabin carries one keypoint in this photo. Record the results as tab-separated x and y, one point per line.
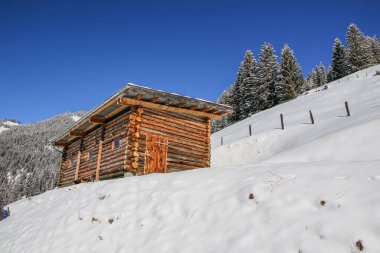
138	131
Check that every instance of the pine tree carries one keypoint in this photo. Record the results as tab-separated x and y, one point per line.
269	78
250	92
357	51
373	44
224	98
317	77
239	86
338	64
320	75
329	74
291	72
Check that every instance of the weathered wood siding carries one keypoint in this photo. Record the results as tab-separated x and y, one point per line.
188	144
113	160
189	138
90	143
67	174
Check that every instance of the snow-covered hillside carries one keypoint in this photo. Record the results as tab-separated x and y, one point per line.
6	125
333	137
309	188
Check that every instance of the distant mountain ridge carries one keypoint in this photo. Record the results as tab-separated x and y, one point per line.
29	164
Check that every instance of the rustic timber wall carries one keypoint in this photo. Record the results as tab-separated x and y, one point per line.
189	138
67	174
90	143
113	160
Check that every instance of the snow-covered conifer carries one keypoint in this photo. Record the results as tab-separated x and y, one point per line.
338	64
357	49
238	88
291	72
269	76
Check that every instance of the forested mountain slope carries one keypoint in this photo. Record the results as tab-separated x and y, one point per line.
28	163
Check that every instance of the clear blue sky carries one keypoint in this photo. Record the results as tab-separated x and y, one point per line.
58	56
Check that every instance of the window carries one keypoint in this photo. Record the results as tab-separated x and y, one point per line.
115	144
89	155
70	163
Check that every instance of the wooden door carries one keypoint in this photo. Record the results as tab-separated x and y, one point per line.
156	154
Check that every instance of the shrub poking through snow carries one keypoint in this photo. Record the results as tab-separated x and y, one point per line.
323	202
359	245
100	238
94	219
251	196
102	197
110	221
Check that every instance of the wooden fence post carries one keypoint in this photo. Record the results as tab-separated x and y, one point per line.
311	117
282	121
250	130
347	109
221	141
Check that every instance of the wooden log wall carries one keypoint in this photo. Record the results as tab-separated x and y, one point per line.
189	138
188	144
67	174
87	166
112	160
135	148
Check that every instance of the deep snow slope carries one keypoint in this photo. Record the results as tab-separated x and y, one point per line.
333	137
307	189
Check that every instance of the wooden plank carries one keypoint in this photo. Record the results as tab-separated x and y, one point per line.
77	134
99	161
78	159
95	112
95	119
169	102
155	99
60	143
129	101
140	96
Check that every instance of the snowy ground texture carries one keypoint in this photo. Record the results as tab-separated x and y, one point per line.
309	188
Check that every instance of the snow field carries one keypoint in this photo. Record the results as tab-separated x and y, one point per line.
307	189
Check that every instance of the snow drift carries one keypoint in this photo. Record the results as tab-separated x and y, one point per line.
309	188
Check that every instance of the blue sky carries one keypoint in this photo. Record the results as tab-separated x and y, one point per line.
58	56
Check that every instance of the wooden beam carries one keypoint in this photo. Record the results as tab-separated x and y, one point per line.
61	143
140	96
78	159
99	161
95	112
95	119
154	99
77	134
129	101
207	109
